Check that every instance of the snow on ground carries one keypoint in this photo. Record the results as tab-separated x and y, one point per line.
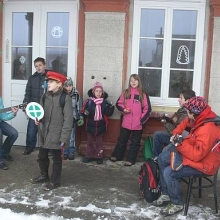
37	205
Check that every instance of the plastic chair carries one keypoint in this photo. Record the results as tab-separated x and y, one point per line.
211	181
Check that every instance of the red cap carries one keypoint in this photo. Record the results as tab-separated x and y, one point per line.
56	76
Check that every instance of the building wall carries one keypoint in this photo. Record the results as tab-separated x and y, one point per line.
104	46
214	88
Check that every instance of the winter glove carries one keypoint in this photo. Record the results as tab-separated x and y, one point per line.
80	122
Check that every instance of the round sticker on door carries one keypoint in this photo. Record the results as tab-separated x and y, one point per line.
34	111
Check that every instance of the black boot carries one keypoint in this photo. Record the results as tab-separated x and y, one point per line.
40	179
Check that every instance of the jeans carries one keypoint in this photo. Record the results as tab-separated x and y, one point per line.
72	148
31	138
169	179
160	139
12	135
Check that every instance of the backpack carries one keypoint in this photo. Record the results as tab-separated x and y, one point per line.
149	180
61	100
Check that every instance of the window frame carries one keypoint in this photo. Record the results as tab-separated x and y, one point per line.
169	6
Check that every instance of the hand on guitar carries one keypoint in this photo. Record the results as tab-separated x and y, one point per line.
14	110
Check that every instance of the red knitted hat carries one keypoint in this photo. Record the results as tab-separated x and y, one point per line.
56	76
196	104
97	85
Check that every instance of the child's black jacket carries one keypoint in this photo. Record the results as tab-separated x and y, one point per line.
97	127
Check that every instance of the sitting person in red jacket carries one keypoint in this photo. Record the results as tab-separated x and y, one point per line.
194	156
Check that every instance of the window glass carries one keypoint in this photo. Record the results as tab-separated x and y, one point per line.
182	54
151	80
151	50
179	80
152	23
21	49
184	24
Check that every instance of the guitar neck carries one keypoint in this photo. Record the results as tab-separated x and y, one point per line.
6	109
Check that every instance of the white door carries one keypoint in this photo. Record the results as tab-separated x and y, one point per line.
31	30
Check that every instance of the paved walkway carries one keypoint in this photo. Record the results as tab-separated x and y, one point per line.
89	191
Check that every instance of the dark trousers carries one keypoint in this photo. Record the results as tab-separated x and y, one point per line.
94	151
120	148
31	138
44	162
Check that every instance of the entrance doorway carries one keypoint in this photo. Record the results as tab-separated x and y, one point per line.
36	29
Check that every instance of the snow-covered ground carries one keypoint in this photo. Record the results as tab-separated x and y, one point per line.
89	192
50	206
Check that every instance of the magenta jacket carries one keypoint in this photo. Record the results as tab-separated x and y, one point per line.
139	113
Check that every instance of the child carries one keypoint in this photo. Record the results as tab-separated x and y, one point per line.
34	91
162	138
135	107
96	109
55	130
194	156
77	105
7	130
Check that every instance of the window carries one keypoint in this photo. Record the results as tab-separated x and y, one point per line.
167	48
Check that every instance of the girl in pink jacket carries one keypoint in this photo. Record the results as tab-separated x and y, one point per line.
135	106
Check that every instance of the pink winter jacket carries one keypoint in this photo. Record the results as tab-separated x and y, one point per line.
139	113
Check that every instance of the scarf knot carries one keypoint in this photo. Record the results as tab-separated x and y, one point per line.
98	111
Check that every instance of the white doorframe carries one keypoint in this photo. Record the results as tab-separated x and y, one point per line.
13	90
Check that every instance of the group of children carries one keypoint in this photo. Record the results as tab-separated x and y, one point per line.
192	156
59	124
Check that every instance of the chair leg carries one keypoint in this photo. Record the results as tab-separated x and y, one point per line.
189	190
200	187
215	192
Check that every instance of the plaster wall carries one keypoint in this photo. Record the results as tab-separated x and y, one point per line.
103	53
214	89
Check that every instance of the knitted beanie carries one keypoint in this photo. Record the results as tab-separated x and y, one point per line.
97	85
69	82
196	105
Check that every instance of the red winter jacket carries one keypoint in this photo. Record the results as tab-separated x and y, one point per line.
196	147
139	113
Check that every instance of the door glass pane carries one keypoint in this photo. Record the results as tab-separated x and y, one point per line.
22	29
22	61
57	29
57	41
184	24
21	49
152	22
179	80
57	59
151	80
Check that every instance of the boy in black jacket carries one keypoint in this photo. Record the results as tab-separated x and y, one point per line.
34	90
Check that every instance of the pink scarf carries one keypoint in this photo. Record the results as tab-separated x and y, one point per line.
98	111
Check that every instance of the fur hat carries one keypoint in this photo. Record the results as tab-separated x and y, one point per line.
97	85
56	76
69	82
196	105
